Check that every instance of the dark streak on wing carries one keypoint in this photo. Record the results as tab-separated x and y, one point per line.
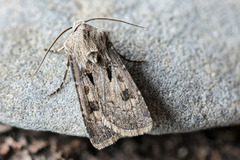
109	73
90	78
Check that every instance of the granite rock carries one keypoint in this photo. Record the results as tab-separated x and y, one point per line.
190	80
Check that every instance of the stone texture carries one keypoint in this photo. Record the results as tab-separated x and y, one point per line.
191	79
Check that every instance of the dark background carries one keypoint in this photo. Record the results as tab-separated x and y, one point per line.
212	144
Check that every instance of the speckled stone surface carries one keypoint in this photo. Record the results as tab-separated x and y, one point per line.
190	81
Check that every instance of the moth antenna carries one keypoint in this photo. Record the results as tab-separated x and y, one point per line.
49	49
111	19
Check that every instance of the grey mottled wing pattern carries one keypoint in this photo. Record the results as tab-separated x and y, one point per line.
100	135
133	115
111	104
123	107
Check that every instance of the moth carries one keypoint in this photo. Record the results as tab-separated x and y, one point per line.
111	104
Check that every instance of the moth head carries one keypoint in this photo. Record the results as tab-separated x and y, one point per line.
76	24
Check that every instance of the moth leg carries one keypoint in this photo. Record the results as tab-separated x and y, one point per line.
56	51
64	78
129	60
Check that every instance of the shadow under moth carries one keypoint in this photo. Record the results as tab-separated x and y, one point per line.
111	104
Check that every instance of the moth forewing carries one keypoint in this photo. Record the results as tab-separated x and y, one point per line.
112	98
132	115
111	104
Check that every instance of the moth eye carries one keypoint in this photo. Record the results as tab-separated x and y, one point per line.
90	77
109	73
